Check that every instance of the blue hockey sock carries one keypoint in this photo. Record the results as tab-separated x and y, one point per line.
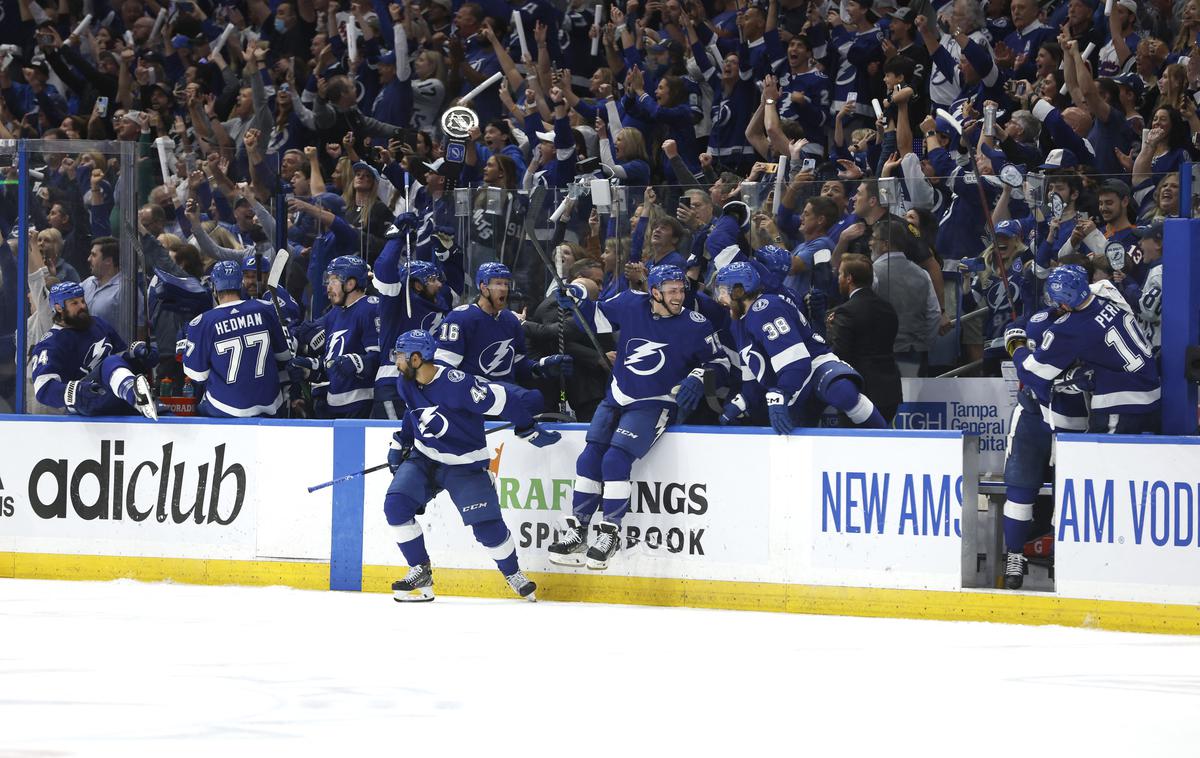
617	467
586	494
412	543
497	540
121	383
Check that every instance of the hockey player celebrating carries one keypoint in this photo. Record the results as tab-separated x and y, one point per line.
781	355
84	366
486	339
1043	407
442	446
351	340
662	357
253	273
237	350
408	299
1097	329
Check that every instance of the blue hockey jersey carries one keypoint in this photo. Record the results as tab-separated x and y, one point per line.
445	417
492	347
66	355
1102	336
352	330
234	350
395	299
1062	409
654	354
778	350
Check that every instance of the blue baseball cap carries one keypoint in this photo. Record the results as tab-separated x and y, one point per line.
1008	228
1061	157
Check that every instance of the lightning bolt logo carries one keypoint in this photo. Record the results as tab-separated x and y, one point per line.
501	352
97	352
335	344
427	421
640	350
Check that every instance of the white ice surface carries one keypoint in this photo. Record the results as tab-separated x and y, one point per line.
132	669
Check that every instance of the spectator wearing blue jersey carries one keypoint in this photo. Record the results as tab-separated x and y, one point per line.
668	108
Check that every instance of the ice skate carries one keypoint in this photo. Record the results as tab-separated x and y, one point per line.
416	587
571	547
1014	571
143	400
606	545
522	585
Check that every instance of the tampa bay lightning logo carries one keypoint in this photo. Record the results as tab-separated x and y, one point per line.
753	362
996	298
721	114
335	344
430	321
455	375
96	352
431	424
645	357
1039	316
697	317
759	305
497	358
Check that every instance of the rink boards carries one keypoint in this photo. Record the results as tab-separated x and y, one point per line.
853	523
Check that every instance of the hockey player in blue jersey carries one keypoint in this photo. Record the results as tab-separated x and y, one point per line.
238	351
351	340
1097	328
83	366
785	363
486	339
253	272
1043	407
408	299
663	355
442	446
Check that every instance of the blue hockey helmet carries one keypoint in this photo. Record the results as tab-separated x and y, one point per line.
226	276
347	267
62	292
422	271
256	262
739	272
491	270
1068	286
660	275
415	341
778	264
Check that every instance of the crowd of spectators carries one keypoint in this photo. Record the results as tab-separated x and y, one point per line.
959	148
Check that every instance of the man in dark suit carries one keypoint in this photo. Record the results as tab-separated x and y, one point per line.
862	331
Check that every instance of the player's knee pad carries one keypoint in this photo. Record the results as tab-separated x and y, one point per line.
491	533
588	465
399	508
842	393
617	465
1018	511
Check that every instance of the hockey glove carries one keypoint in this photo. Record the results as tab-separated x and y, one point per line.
407	222
306	365
83	396
347	366
734	410
399	450
554	365
140	351
1014	337
537	436
777	411
569	298
691	391
1076	381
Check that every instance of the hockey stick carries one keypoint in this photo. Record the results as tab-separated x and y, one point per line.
536	201
381	466
273	278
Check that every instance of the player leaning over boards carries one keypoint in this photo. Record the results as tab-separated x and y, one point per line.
1090	342
441	446
783	361
663	354
82	364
